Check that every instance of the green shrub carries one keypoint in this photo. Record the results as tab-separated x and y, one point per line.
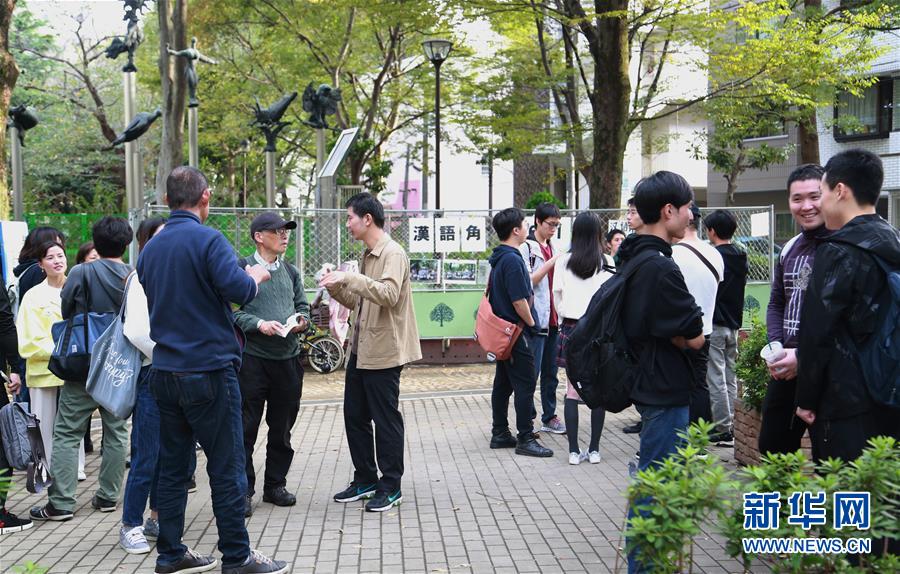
751	369
543	197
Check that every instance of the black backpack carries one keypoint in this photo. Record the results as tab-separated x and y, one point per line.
600	363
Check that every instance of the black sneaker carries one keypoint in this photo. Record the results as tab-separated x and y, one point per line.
383	501
355	492
503	440
10	523
633	429
279	497
258	563
102	504
529	447
47	512
722	439
248	506
191	562
192	485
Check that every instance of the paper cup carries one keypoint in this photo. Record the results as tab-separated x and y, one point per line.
772	352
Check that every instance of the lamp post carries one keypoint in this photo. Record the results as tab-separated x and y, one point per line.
436	51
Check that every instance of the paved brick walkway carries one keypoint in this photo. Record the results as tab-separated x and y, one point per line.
466	508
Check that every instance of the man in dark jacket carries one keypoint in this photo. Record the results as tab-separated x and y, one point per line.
847	296
661	321
190	274
727	318
781	430
510	295
96	287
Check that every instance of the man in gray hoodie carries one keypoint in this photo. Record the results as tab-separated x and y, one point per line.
97	287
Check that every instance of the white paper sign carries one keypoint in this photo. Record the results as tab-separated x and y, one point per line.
759	225
421	235
564	234
472	234
446	234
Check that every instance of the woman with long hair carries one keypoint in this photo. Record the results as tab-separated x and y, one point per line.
577	276
39	310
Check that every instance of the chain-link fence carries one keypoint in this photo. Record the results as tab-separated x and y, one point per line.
464	238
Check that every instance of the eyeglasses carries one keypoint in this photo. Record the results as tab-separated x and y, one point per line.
280	232
552	224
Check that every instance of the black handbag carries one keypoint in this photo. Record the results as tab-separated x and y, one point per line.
74	338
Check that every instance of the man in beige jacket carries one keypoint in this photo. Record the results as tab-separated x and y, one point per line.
383	339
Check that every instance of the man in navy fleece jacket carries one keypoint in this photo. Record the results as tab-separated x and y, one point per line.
191	274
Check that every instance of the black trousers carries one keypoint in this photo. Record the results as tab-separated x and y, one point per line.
700	407
516	377
847	437
280	384
781	429
373	396
5	470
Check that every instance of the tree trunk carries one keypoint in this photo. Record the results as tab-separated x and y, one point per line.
610	103
9	74
808	136
173	32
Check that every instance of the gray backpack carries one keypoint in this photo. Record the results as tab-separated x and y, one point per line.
23	447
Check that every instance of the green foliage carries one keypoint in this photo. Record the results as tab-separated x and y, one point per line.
687	490
674	499
544	197
876	471
750	368
30	568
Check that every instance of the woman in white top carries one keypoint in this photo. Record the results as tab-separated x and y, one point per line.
142	478
39	310
576	277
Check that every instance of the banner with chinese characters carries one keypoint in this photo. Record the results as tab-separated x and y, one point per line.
421	235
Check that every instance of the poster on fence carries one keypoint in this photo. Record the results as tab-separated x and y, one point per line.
472	235
460	272
421	235
759	224
446	231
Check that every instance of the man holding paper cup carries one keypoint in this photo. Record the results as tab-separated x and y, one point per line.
271	370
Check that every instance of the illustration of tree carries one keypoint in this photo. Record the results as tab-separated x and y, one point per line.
750	304
441	314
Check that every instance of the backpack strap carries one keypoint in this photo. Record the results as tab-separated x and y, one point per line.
787	247
703	259
38	471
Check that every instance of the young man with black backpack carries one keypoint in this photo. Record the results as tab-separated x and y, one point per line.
848	299
661	320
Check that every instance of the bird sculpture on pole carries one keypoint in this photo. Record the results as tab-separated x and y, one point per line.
268	120
320	102
138	127
23	119
133	35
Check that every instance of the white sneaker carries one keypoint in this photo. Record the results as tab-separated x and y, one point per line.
81	476
132	540
594	457
575	458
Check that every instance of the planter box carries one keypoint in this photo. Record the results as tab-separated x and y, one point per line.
747	422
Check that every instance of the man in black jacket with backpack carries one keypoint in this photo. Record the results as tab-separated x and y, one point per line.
843	311
661	320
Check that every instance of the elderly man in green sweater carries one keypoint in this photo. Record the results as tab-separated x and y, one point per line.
271	369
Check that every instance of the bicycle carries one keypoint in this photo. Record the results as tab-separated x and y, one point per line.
324	353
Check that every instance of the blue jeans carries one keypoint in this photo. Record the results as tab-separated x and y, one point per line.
545	351
205	405
144	473
659	439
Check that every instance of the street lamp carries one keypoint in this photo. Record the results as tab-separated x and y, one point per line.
437	51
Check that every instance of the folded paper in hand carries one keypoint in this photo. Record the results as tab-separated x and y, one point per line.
292	321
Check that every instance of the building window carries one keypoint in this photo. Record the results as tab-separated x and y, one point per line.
784	227
867	116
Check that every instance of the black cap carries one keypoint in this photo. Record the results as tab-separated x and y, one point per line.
695	211
269	221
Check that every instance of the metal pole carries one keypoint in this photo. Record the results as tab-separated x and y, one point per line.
17	173
425	164
130	90
406	180
138	185
193	143
321	199
437	135
270	179
244	204
490	159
